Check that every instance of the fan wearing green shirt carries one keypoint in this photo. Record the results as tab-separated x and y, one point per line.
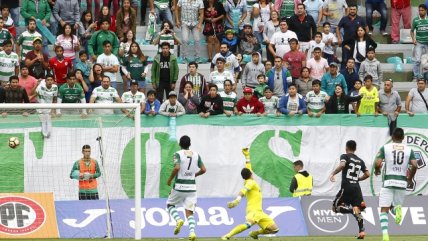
71	92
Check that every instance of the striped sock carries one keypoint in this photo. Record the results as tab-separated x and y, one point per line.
173	212
384	222
192	223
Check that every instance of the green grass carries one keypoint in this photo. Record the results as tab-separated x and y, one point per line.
324	238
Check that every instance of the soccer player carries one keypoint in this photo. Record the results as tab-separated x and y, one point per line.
397	157
188	165
350	198
255	214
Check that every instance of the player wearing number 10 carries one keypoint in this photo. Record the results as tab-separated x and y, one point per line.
188	165
397	158
350	198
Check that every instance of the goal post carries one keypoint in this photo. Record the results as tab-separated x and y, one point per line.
12	123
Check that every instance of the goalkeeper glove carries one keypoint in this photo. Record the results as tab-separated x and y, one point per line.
246	153
233	204
86	176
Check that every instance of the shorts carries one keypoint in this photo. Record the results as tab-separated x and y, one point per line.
350	195
184	199
390	196
261	218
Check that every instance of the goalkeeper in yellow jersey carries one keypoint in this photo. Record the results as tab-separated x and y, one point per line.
254	213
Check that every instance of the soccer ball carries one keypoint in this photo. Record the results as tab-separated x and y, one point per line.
13	142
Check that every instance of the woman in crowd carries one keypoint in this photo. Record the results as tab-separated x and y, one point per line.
356	47
95	77
270	28
261	15
115	4
339	102
188	99
69	42
304	83
166	35
126	19
135	67
87	27
214	27
81	81
105	14
125	44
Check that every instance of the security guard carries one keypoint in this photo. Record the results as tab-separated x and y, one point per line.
302	182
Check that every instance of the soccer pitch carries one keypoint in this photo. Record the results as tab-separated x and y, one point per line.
324	238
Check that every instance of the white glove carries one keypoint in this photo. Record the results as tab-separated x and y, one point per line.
86	176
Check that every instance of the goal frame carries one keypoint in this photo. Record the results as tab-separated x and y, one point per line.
137	141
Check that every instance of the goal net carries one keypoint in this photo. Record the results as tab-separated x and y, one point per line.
50	145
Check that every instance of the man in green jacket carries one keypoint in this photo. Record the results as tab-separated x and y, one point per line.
32	9
164	72
95	46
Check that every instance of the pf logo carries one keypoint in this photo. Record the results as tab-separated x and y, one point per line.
19	216
324	219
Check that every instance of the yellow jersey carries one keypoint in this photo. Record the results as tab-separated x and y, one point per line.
369	100
252	191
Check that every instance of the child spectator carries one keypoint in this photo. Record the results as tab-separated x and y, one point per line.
260	88
317	42
252	70
152	104
4	34
171	107
270	102
355	92
84	66
249	104
316	99
229	98
231	40
370	98
371	66
7	20
292	103
330	40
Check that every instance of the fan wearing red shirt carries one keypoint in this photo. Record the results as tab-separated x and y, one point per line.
294	59
60	66
249	104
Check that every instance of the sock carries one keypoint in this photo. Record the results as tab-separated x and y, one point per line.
191	221
238	229
262	231
360	221
384	222
173	212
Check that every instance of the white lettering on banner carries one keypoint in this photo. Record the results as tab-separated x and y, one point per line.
278	210
93	214
324	219
418	215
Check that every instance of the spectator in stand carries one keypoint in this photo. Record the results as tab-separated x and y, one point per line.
211	104
236	13
95	78
292	103
333	11
8	22
252	70
95	46
67	12
279	78
389	104
214	26
304	83
69	42
420	38
270	27
162	9
231	40
351	25
314	8
380	7
115	3
171	107
4	35
152	104
317	65
103	15
231	60
370	98
29	83
110	63
330	42
229	98
26	39
260	13
136	67
78	74
9	63
220	75
105	94
71	92
350	74
357	47
126	19
84	66
304	26
332	78
270	102
125	44
279	41
249	104
87	27
339	101
400	9
96	9
190	17
13	6
199	84
36	61
260	88
248	42
371	66
164	72
355	92
317	42
295	59
35	9
268	66
286	8
15	94
316	99
417	99
166	35
61	66
188	99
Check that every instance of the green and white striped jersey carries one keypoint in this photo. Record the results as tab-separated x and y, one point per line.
25	40
46	96
190	163
229	100
7	65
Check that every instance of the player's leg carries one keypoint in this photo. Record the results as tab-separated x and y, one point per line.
357	203
267	226
397	201
189	204
174	198
385	201
339	206
241	227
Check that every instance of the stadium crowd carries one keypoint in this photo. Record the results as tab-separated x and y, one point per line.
301	74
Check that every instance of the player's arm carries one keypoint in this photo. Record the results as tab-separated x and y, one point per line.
75	171
97	171
365	175
379	159
413	167
202	168
293	185
338	169
173	173
246	153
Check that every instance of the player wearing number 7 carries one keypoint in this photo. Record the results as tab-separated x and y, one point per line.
397	157
350	198
255	212
187	166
